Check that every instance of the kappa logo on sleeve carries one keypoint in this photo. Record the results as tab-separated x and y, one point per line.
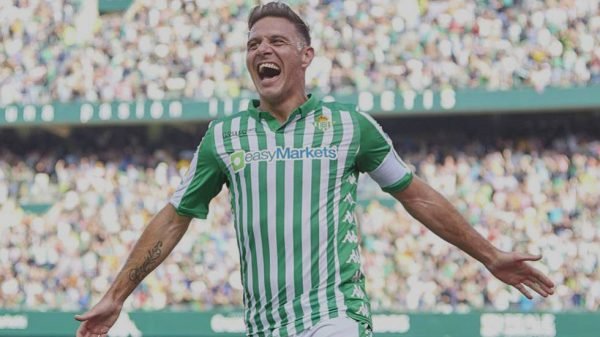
239	159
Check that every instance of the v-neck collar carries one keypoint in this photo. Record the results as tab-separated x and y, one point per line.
306	107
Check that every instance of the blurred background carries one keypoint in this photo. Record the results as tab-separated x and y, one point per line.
495	103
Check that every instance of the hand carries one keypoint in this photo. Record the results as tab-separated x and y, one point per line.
97	321
512	269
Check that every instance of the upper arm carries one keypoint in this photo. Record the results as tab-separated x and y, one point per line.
202	182
378	158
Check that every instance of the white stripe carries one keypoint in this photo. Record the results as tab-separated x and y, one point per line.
288	224
235	142
309	131
243	244
260	265
323	189
343	149
272	204
185	183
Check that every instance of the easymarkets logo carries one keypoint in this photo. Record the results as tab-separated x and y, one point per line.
239	159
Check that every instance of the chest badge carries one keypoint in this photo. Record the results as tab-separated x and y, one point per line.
323	123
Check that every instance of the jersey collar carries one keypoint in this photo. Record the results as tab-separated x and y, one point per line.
310	105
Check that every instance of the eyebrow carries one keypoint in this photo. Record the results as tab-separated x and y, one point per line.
269	37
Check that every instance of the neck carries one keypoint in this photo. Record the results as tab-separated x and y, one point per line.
282	109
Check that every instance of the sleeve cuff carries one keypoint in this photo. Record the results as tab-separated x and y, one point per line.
198	214
399	185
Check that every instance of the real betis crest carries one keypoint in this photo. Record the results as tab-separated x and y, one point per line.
323	123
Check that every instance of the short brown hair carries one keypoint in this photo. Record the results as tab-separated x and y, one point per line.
280	10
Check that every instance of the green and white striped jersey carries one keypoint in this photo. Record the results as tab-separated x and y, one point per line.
293	190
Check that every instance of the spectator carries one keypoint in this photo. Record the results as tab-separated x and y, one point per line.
195	49
513	192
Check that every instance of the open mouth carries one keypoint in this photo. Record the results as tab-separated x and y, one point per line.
268	70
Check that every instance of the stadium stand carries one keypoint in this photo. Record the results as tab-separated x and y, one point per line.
171	49
73	200
535	191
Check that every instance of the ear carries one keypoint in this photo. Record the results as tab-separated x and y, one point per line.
307	56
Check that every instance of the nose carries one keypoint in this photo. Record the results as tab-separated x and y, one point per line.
264	47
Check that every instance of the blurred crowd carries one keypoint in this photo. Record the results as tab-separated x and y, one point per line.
159	49
68	219
524	195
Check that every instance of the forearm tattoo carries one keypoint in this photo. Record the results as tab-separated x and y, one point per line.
138	273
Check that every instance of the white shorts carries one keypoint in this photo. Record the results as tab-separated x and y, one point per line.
337	327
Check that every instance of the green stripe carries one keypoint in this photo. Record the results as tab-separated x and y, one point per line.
346	272
337	130
264	230
349	271
251	240
297	221
280	233
364	330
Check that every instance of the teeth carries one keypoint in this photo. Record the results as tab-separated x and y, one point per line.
267	65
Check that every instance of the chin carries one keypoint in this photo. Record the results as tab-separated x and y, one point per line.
271	94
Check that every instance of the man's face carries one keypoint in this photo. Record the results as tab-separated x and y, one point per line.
277	58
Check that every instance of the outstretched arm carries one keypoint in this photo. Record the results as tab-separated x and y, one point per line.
156	242
437	213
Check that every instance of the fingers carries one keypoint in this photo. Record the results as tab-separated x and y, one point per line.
87	330
83	317
543	279
536	280
540	280
523	290
549	290
79	332
545	283
536	287
82	332
538	283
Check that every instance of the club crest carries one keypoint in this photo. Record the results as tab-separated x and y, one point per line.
323	123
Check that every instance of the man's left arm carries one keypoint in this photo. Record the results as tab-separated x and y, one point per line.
435	212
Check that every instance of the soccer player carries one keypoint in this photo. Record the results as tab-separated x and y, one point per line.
291	164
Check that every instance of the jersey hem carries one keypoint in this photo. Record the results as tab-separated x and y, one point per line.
330	315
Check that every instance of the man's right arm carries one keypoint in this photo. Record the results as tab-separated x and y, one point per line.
156	242
203	180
